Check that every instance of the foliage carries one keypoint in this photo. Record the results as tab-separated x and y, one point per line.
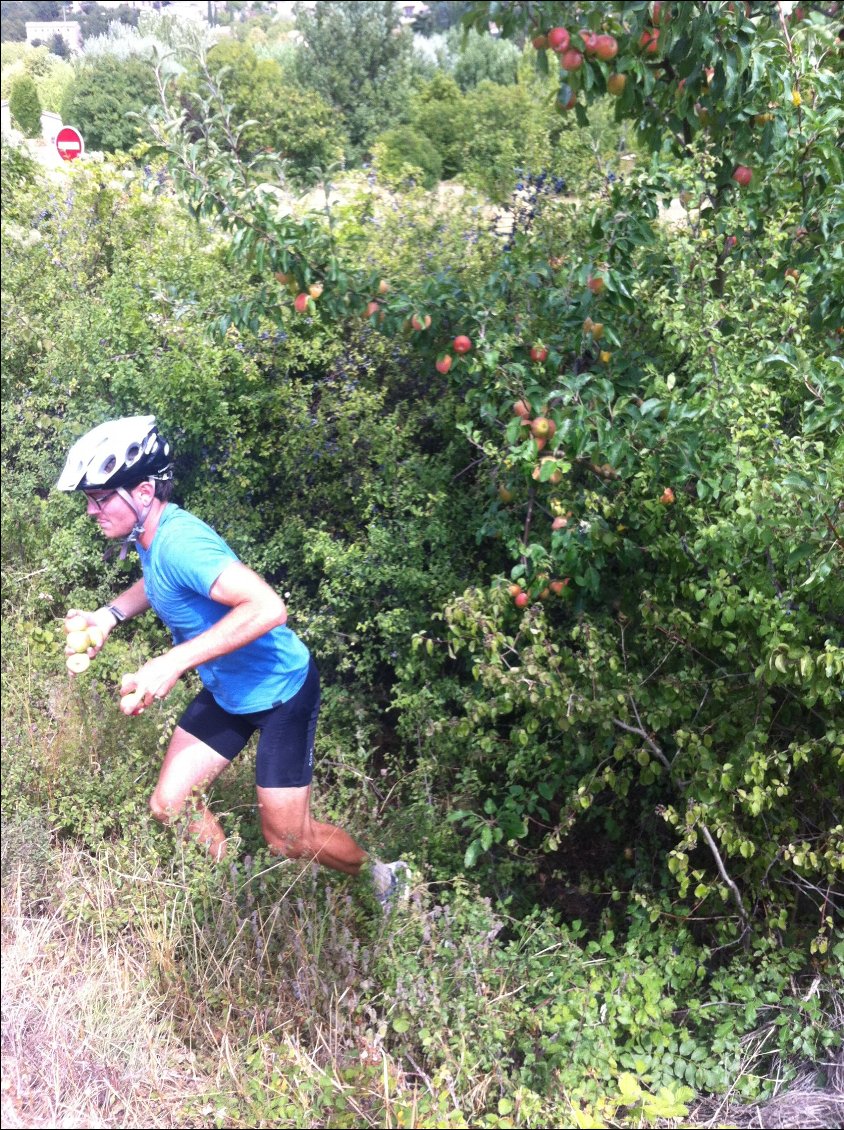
17	171
438	111
50	74
282	116
96	20
483	135
58	46
25	106
358	58
473	58
662	534
15	13
403	153
102	98
638	763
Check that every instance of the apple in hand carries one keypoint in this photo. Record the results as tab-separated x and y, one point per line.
131	703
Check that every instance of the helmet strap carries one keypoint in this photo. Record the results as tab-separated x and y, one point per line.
140	514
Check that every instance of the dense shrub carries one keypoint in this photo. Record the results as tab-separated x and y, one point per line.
284	117
25	106
102	98
403	153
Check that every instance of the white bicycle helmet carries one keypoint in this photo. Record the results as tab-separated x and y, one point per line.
118	453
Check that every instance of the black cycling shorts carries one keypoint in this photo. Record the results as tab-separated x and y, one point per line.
285	757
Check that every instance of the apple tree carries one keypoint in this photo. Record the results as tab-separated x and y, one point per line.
659	402
651	382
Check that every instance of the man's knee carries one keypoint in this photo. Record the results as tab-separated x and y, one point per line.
288	844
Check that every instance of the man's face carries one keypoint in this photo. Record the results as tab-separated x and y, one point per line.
113	514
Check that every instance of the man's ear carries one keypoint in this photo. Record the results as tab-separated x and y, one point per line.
144	492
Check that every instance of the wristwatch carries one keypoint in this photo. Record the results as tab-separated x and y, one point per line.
116	613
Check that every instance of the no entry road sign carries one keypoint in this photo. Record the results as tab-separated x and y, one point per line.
69	143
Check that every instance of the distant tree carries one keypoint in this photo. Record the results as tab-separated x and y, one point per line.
474	58
359	58
505	128
442	14
438	112
58	46
402	152
94	19
103	94
285	117
15	13
25	106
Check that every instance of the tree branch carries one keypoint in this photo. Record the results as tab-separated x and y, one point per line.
722	870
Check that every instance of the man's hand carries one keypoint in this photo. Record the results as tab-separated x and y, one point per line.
94	624
151	682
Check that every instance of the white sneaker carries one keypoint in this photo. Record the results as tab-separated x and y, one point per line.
391	882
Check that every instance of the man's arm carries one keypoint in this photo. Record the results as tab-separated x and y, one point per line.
132	602
255	609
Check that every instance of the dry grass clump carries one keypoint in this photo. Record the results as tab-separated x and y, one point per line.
85	1035
813	1100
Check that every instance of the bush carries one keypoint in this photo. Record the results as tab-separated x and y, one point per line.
402	154
25	106
284	117
102	98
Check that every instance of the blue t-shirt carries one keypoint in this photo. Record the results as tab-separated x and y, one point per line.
180	567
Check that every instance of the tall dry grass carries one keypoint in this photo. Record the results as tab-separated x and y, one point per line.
87	1036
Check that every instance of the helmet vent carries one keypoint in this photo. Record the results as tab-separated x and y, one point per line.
132	453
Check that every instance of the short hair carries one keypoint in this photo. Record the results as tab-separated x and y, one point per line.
163	489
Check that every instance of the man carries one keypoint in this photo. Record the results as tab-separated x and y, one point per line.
229	625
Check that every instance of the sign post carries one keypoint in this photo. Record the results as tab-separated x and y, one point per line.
69	143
